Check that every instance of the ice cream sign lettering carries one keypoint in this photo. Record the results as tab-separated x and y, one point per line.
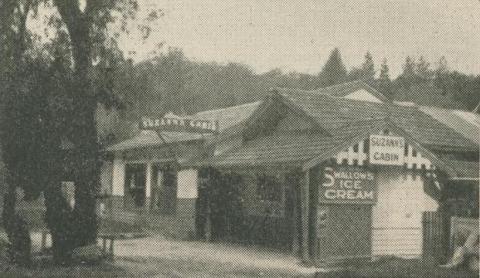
348	185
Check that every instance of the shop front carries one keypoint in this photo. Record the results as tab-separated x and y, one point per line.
145	178
331	179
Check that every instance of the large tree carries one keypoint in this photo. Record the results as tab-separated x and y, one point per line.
86	26
47	99
365	72
334	71
13	41
384	83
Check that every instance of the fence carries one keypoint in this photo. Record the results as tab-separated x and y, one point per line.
435	236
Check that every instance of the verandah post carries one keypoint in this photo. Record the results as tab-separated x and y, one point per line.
304	198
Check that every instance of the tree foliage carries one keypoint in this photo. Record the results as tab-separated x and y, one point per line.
147	85
50	93
334	71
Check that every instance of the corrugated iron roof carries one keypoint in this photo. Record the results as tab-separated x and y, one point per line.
463	122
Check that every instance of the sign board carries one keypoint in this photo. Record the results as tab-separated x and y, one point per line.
387	150
348	185
172	122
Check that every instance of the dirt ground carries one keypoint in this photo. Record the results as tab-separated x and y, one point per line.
157	256
206	259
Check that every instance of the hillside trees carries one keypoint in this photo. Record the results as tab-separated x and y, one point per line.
384	83
334	71
365	72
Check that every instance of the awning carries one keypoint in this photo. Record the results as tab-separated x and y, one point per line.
465	170
149	138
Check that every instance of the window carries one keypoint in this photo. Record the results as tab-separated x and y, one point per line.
269	188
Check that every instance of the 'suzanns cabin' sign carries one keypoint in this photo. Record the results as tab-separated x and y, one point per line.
171	122
387	150
348	185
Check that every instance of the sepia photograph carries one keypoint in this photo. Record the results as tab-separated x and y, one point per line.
239	138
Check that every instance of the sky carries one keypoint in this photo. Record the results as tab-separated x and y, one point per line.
298	35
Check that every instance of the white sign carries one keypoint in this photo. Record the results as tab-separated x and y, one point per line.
387	150
176	123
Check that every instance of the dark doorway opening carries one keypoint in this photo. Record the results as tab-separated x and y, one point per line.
135	180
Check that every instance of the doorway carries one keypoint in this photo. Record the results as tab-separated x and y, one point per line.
344	232
135	180
164	189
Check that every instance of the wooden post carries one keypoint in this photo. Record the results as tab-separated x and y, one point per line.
44	240
295	216
305	198
104	245
111	246
148	186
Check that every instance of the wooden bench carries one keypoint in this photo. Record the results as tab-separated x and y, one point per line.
107	249
105	238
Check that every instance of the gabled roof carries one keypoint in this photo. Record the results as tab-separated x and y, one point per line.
334	113
307	149
344	89
292	147
347	122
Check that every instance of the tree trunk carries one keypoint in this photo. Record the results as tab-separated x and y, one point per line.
59	221
86	184
85	133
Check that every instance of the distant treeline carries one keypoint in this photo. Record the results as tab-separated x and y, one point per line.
172	82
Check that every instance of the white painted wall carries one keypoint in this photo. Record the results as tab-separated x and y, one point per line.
118	177
187	184
148	180
363	95
397	216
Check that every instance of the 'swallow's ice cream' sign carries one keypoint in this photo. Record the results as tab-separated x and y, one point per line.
348	185
387	150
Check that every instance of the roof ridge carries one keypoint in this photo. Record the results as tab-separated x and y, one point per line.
345	84
226	108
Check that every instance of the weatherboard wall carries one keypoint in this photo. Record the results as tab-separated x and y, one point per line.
397	215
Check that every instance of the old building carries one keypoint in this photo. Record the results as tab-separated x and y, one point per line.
334	177
144	177
331	174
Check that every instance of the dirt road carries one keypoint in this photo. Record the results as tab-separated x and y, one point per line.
160	256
